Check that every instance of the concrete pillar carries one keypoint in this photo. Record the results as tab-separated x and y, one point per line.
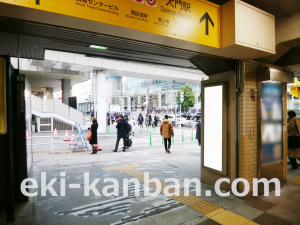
139	99
128	103
133	105
38	121
49	92
66	90
101	101
159	99
41	95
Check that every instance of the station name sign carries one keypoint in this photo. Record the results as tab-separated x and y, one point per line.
194	21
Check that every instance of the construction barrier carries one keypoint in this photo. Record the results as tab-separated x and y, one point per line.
67	136
55	133
73	140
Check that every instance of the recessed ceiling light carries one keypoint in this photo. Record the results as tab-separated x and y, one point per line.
43	73
98	47
65	75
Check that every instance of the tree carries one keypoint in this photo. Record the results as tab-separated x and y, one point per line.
115	100
135	98
154	100
189	97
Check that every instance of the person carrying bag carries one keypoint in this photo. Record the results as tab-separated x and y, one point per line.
293	139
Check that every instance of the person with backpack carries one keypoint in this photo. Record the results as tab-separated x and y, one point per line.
123	131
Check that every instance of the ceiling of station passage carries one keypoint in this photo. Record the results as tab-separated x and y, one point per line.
32	39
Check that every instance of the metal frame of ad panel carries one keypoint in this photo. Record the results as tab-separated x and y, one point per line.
215	127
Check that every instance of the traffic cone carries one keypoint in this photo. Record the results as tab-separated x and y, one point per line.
73	140
55	133
193	126
67	136
98	147
27	137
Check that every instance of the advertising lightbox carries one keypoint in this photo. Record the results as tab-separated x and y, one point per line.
215	124
271	122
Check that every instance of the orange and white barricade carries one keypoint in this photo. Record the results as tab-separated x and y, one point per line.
73	140
55	133
67	136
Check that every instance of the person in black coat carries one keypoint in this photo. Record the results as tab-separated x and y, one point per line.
141	120
198	132
94	140
155	120
123	130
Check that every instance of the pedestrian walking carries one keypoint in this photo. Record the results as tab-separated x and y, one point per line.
94	140
155	120
132	123
147	120
198	131
123	132
140	120
166	130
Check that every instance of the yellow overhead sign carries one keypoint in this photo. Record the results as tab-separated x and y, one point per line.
3	119
195	21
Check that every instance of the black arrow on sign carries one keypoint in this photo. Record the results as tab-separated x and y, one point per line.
207	18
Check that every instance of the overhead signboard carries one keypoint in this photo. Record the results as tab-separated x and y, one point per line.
3	119
189	20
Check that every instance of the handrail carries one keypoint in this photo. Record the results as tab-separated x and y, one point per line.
53	106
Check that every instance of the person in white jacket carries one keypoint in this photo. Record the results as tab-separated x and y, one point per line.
132	123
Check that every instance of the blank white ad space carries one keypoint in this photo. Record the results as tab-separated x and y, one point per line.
213	109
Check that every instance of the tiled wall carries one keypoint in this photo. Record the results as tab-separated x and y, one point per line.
249	133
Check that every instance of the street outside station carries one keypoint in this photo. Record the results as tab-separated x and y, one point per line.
184	162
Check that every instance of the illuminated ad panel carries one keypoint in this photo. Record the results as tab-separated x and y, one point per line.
3	119
213	129
189	20
271	122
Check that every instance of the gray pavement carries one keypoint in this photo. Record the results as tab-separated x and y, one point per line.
184	162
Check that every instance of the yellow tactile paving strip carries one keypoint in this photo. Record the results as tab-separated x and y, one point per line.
295	180
202	206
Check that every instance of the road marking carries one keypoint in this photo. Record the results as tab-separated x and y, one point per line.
200	205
